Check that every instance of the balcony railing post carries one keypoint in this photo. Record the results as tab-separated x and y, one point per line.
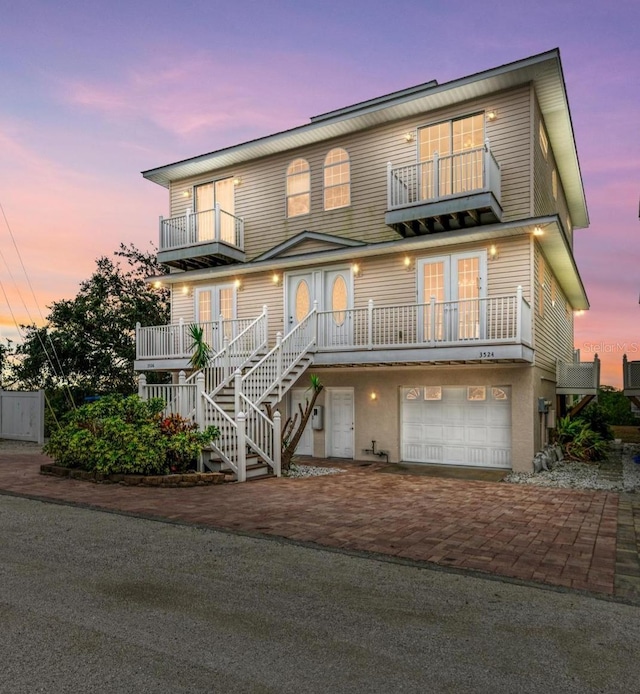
217	234
182	410
314	326
436	177
161	233
625	376
432	320
486	166
370	324
264	337
390	195
596	372
182	351
220	340
519	314
226	368
138	338
189	232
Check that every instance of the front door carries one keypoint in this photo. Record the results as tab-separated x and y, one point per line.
450	288
211	303
341	423
333	290
204	200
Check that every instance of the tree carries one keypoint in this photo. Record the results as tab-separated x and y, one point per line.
616	407
88	343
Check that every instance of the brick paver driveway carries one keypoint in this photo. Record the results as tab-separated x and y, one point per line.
553	536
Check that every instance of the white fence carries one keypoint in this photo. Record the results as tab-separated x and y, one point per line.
22	416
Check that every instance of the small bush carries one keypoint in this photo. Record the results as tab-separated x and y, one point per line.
597	418
117	435
579	441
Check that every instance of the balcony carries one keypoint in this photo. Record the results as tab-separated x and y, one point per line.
201	239
449	192
166	347
488	330
578	377
631	379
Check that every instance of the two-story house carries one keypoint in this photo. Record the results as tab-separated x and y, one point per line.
415	251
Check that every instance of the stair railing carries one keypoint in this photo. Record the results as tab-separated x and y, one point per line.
268	374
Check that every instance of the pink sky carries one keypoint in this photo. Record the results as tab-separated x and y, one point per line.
93	93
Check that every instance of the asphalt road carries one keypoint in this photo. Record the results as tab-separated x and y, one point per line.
96	602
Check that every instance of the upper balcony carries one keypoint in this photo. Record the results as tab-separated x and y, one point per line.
201	239
444	193
578	377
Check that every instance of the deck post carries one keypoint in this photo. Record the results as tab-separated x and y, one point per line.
217	231
370	324
200	389
142	387
432	320
436	178
181	348
390	201
237	390
242	447
220	339
277	444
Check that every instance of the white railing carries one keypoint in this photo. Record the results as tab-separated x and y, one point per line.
208	226
209	413
492	320
180	398
578	377
173	341
261	434
235	354
630	374
452	175
268	374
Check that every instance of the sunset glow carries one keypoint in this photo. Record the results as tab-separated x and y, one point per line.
93	94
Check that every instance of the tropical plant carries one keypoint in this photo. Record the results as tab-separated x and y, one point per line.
578	440
294	426
127	436
201	352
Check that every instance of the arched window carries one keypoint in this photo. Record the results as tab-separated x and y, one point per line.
298	185
337	179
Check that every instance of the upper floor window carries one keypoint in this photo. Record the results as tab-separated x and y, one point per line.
298	187
337	179
451	137
544	142
459	146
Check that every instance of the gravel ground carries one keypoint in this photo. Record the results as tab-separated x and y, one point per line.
296	470
619	473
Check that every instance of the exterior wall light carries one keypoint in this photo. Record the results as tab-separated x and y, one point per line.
407	263
238	285
410	136
357	272
373	395
237	181
275	278
537	231
491	115
493	252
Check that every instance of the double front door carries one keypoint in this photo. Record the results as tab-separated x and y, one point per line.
451	290
333	291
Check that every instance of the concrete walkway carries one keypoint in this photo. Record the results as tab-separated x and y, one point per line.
583	540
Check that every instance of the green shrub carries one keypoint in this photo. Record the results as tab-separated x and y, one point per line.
579	441
117	435
598	420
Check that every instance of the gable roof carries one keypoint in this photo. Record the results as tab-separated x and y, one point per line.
544	71
332	242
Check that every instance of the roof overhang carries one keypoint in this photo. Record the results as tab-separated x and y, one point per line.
543	71
553	242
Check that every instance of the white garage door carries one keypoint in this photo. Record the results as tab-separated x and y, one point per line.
468	425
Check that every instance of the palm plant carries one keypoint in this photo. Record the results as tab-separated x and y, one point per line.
200	351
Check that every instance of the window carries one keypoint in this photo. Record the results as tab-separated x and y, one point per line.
298	185
459	146
554	184
337	179
544	143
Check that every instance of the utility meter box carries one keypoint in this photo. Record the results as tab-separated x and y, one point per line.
317	417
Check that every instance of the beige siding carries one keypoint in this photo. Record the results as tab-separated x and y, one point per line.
309	246
544	202
260	198
553	317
